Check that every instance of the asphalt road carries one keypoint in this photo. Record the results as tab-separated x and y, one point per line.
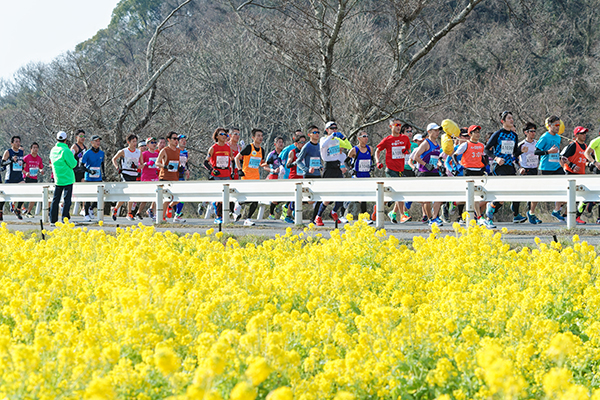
517	233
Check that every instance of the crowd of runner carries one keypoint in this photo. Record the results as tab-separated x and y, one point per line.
329	154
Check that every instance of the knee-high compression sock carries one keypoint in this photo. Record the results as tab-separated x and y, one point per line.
219	210
461	209
316	209
179	207
322	208
252	209
338	205
272	208
363	207
514	207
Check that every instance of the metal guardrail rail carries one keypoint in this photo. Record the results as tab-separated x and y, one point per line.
569	188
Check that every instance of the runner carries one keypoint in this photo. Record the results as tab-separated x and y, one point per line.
149	172
592	154
574	161
275	168
184	173
93	162
333	158
299	142
362	163
309	161
33	167
63	162
284	155
142	145
13	159
218	162
162	143
252	157
529	166
78	149
127	163
503	151
397	147
168	162
472	158
234	143
418	139
548	148
427	157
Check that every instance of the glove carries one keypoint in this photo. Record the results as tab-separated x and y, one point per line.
215	172
241	173
120	170
379	165
170	167
429	167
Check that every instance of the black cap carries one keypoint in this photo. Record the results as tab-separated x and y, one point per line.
95	137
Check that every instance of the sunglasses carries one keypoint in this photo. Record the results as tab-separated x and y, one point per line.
316	132
222	134
302	141
364	136
236	134
397	124
152	142
409	131
557	124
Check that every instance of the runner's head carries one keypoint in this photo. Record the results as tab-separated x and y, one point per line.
61	137
363	138
162	143
331	127
257	136
172	139
507	120
15	141
142	146
463	136
433	131
182	140
234	135
313	133
80	136
220	135
278	142
34	148
553	124
132	141
407	129
396	126
151	142
299	140
530	130
418	138
95	141
474	133
579	134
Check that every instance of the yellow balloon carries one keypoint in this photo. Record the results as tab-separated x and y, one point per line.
447	144
450	128
561	130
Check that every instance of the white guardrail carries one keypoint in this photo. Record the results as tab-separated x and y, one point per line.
569	188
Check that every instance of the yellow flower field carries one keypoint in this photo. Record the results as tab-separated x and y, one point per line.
146	315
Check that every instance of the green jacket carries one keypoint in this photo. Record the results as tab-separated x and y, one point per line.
63	161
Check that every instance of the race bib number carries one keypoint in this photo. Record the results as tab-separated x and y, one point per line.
96	172
152	162
333	150
364	165
531	160
173	165
433	160
397	152
33	172
17	167
553	157
254	162
507	147
315	162
222	162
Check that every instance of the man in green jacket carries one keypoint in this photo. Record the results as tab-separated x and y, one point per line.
63	162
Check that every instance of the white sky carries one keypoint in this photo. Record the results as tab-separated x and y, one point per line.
40	30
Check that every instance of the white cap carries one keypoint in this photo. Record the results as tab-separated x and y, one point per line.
432	125
62	135
418	136
330	123
142	143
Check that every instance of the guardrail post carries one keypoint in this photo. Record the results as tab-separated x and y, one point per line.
298	204
380	207
100	200
571	205
225	203
45	216
159	203
470	202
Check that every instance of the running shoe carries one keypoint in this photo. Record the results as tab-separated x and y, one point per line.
519	219
374	214
424	219
150	213
139	216
18	214
404	218
334	216
130	217
87	218
407	204
557	216
319	221
580	221
218	221
489	211
28	214
392	216
531	217
249	222
461	221
597	221
271	217
178	219
488	223
344	220
289	220
114	214
437	221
